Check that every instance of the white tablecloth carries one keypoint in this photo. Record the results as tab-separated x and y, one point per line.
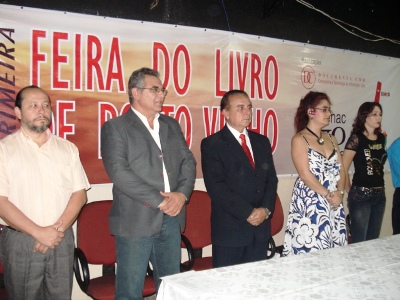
368	270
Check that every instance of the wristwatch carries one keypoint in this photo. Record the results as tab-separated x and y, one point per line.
267	212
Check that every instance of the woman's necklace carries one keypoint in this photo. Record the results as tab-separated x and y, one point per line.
320	140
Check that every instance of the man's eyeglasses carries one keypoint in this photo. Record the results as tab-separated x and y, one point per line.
156	90
325	109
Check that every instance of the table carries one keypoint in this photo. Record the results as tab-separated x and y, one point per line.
367	270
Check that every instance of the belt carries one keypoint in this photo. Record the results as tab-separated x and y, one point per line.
371	190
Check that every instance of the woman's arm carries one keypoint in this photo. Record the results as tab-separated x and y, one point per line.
347	159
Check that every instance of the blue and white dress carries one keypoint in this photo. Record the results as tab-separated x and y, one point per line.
312	222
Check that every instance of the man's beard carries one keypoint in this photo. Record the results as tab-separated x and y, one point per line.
40	129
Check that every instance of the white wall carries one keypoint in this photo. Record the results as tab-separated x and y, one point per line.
285	186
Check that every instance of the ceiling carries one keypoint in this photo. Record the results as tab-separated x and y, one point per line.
309	21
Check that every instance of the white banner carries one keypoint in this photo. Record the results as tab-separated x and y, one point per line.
84	62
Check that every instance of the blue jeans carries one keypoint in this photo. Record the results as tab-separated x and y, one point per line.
163	250
366	214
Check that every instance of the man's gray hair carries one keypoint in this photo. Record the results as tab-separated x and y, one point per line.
137	80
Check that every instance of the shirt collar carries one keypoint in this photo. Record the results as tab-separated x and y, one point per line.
236	133
28	137
144	119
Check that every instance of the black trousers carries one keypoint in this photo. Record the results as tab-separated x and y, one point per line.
229	256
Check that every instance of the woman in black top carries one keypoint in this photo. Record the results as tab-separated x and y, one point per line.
366	148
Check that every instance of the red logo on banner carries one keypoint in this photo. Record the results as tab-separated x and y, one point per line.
308	77
378	91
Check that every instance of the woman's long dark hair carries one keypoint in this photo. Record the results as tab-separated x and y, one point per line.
363	112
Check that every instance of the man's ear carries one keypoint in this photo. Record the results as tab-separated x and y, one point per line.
17	112
225	113
135	93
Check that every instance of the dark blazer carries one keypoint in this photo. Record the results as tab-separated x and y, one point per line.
133	162
236	188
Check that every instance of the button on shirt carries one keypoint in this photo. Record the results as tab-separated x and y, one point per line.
39	181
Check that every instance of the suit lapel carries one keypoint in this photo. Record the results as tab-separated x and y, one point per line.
139	126
163	132
166	153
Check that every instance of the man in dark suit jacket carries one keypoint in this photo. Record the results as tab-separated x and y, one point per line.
153	173
243	195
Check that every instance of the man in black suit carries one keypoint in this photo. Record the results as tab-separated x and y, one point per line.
153	173
242	188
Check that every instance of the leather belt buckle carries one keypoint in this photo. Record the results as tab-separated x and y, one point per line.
369	191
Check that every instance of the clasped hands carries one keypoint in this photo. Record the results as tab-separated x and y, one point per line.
48	237
335	199
172	203
257	216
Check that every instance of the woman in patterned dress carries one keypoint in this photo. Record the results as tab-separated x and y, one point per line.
316	217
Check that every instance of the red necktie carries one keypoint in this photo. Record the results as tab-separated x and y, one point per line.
247	150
